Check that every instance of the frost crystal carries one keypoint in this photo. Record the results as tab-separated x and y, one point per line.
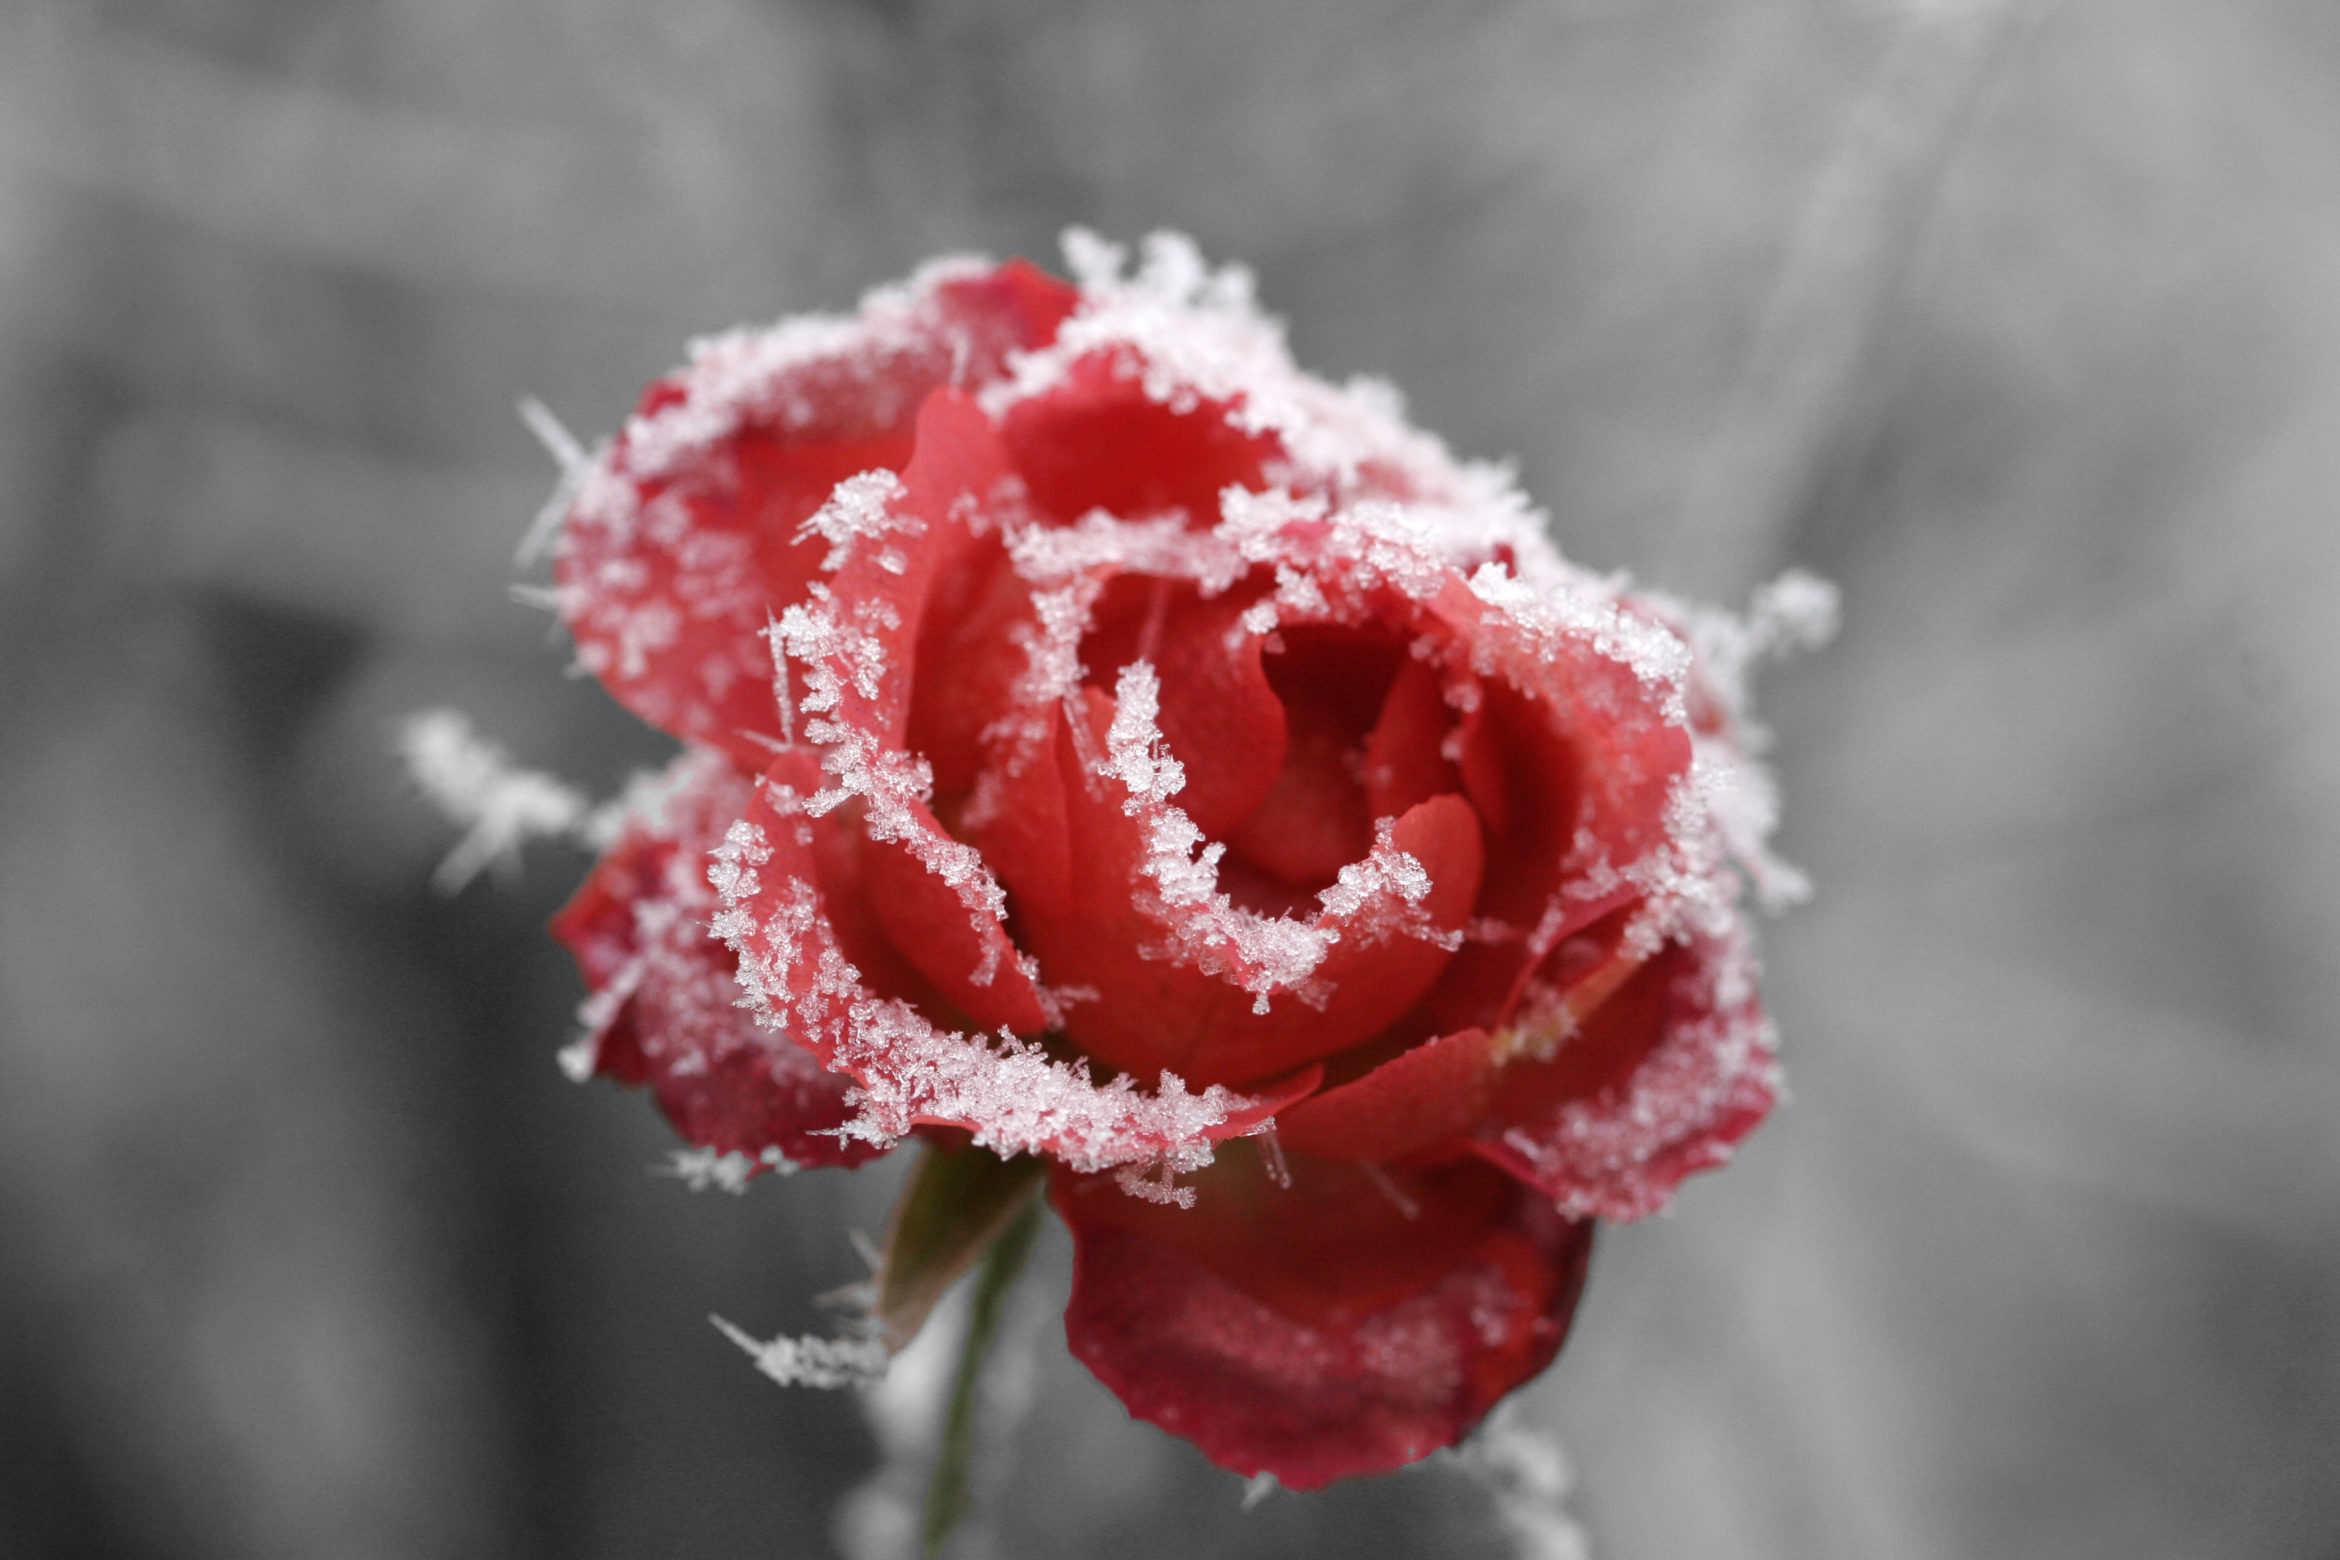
474	782
827	1363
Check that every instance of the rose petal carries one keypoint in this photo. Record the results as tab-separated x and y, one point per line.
972	655
1426	1095
900	546
966	954
663	993
1158	1005
1348	1324
1405	760
1663	1080
793	908
1098	440
1220	714
1315	818
681	540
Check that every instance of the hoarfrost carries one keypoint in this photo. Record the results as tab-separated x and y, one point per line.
1011	1095
733	1172
859	510
828	1363
1526	1471
474	782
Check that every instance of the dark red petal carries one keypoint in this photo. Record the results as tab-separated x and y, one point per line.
1439	1090
1660	1081
1026	837
1348	1324
1316	818
1520	771
1220	715
1098	441
663	993
1404	762
1372	980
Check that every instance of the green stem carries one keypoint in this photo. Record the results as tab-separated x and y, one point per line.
947	1493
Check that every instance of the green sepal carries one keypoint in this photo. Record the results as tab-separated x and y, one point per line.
957	1203
949	1492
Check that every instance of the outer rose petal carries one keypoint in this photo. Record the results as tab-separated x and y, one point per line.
682	541
1662	1081
1098	440
663	995
1318	1331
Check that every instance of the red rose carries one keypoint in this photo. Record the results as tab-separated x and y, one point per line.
1165	743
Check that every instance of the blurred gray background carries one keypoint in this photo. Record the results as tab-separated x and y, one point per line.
2019	320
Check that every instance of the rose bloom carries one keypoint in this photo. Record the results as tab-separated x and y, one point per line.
1107	743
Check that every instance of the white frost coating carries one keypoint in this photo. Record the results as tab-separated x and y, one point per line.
1526	1471
1796	612
748	374
1190	334
1162	546
1597	612
1013	1097
570	456
1371	899
474	782
733	1172
859	511
828	1363
895	784
1606	1157
1157	1184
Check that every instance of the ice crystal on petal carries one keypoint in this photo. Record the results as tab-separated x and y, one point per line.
858	511
1012	1096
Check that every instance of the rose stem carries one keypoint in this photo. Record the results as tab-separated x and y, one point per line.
947	1492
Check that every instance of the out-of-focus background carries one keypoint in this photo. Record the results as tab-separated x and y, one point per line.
2021	320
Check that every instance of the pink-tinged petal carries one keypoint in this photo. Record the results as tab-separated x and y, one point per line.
682	539
1097	440
1349	1323
1173	986
668	597
662	1006
1661	1081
